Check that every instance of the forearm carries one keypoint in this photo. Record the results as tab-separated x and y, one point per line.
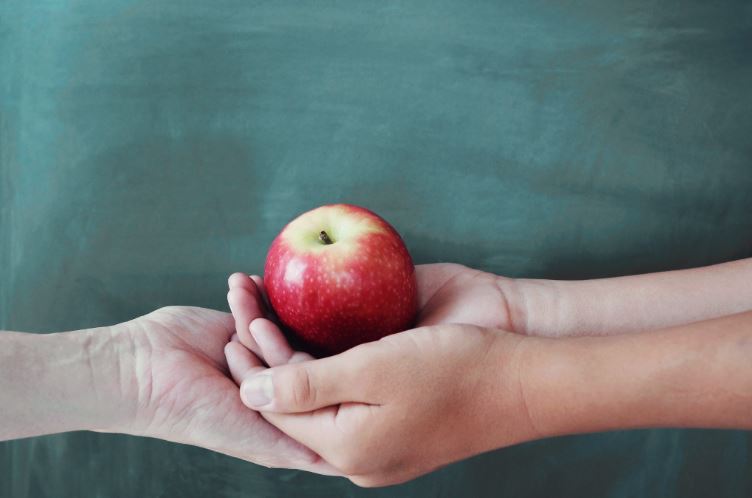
629	304
52	383
696	375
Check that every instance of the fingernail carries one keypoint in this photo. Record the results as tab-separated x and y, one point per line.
258	390
255	333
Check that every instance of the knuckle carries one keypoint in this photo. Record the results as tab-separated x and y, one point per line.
302	393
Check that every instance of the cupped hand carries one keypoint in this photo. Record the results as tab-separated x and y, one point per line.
447	293
453	293
437	372
177	381
388	411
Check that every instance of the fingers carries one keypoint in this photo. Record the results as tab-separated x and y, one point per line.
241	362
312	429
234	430
245	305
273	346
322	430
262	290
239	279
304	386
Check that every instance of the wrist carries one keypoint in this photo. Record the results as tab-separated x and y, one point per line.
90	376
109	353
512	418
629	304
537	307
51	383
591	384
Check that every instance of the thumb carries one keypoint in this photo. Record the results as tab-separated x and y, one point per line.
300	387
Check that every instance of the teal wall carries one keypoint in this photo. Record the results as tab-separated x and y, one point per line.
150	148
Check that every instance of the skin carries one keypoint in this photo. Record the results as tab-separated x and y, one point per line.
162	375
387	424
169	374
451	293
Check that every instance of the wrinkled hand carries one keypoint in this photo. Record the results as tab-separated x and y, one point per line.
175	379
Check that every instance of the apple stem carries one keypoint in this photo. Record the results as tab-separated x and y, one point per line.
324	238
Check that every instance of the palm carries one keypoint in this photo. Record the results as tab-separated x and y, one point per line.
452	293
186	395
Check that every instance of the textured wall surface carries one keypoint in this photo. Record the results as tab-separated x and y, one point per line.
148	149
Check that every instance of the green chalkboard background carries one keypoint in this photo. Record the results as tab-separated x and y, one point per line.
149	148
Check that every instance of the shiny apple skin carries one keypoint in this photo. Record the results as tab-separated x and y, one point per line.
332	299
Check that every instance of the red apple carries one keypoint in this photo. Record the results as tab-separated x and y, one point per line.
338	276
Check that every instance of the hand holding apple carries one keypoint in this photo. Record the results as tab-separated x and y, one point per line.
438	377
338	276
447	293
413	401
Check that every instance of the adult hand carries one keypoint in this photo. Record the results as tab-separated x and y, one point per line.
387	411
180	389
